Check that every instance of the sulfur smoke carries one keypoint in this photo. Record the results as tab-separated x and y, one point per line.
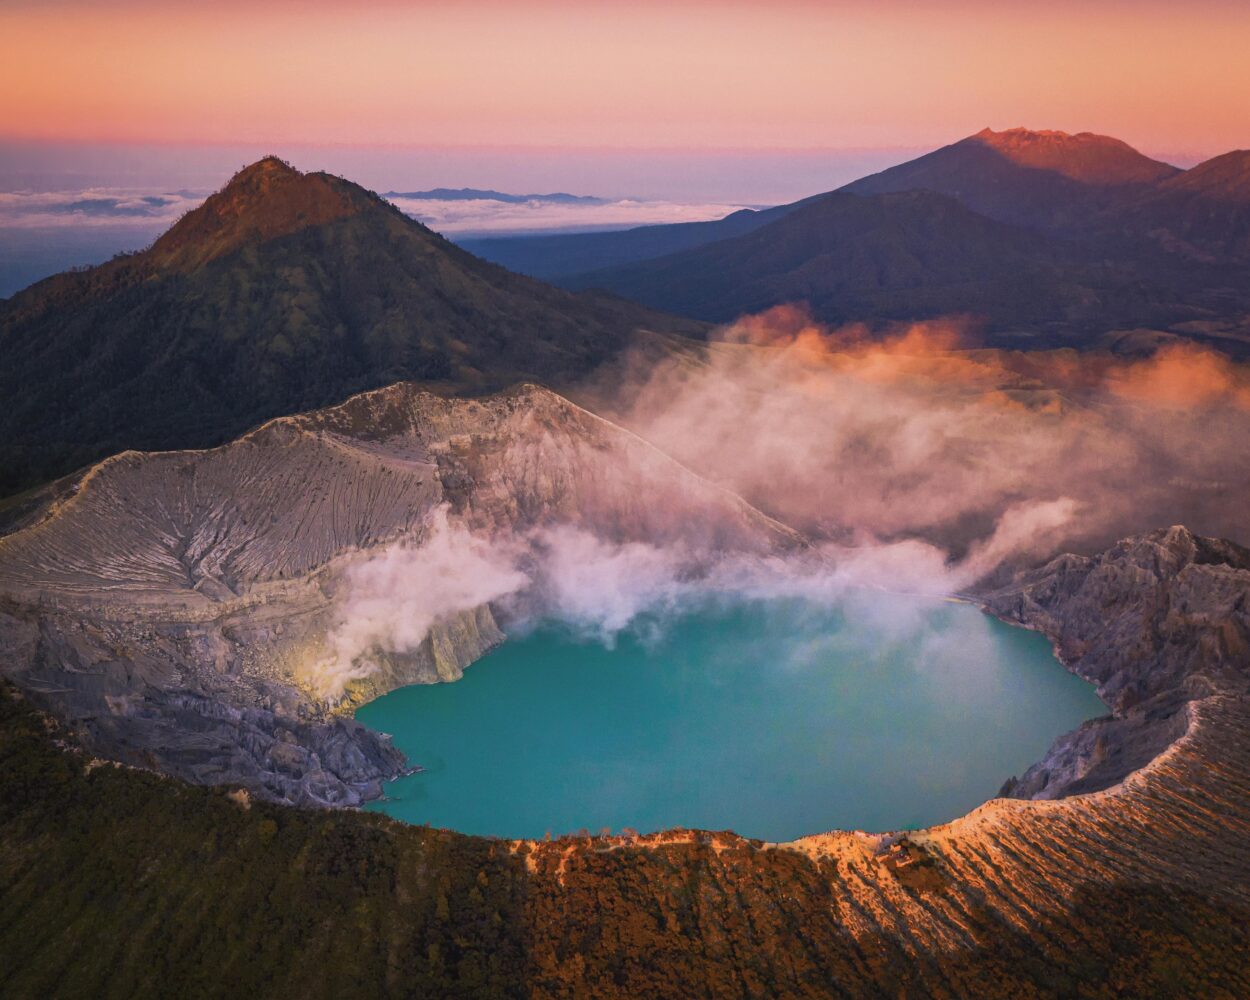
909	463
864	438
599	588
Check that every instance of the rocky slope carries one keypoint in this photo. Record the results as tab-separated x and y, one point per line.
1156	622
173	607
1203	214
1141	889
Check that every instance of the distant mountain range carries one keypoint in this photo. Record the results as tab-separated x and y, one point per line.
478	194
1013	176
557	256
283	292
1049	180
891	256
1054	235
289	291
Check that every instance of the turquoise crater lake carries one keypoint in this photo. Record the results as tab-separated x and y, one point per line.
773	718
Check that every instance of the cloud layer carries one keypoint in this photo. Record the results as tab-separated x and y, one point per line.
104	206
94	207
483	216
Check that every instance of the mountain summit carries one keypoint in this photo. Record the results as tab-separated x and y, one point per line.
1085	157
284	291
1049	180
261	202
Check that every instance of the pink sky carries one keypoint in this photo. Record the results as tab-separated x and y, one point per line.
1167	77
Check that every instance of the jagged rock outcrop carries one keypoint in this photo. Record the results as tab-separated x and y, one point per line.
1156	621
171	606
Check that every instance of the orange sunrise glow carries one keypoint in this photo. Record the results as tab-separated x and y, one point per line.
624	499
688	74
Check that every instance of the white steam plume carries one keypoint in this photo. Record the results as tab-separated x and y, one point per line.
862	439
914	467
393	598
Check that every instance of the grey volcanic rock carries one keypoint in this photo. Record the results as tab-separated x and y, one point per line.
167	606
144	693
1157	621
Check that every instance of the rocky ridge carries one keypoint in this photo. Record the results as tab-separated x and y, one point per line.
169	606
1147	810
1157	622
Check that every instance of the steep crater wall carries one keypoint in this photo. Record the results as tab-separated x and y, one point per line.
1157	621
169	606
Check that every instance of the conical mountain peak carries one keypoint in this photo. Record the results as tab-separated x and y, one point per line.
266	200
266	166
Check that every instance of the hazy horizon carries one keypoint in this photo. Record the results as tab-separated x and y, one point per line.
744	176
68	204
71	203
795	74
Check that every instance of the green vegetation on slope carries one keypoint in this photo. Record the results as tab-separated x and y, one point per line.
919	255
120	883
283	292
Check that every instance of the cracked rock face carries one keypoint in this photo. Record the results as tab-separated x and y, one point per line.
1156	622
166	605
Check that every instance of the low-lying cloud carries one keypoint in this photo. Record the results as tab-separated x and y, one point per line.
392	599
598	589
105	206
97	207
486	216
